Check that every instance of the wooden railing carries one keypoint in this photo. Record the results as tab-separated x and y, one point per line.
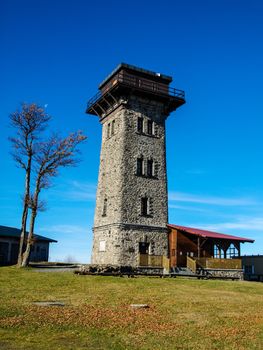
166	263
143	84
212	263
138	83
154	261
191	264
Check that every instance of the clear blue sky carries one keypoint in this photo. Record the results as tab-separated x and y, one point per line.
56	53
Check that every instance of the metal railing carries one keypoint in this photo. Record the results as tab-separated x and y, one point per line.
132	81
94	99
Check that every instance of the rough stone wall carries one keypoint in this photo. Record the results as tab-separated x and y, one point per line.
224	273
122	243
119	225
110	182
148	147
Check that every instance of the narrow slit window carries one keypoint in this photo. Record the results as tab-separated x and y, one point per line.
145	206
113	127
140	125
104	212
139	166
149	167
150	127
108	130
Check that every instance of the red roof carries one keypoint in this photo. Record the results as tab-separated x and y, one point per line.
209	234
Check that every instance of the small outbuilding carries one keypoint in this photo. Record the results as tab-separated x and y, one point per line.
253	267
9	244
195	248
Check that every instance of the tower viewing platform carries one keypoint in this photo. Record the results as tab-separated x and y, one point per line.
126	80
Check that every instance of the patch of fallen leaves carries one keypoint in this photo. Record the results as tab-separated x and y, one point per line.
231	329
139	321
228	328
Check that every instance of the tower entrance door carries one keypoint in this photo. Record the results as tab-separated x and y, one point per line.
144	247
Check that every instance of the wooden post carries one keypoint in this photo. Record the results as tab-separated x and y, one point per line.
238	249
198	247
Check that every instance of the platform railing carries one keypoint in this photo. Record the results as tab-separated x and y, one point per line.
138	83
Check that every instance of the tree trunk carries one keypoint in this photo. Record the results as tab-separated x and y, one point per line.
25	214
26	255
23	234
34	208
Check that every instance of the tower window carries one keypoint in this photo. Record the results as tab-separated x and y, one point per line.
140	125
150	127
139	166
145	206
104	212
113	127
150	167
108	130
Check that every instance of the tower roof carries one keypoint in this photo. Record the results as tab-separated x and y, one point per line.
144	73
126	80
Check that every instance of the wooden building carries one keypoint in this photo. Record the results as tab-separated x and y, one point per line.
253	267
9	244
193	248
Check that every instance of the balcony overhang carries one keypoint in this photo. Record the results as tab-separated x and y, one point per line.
125	85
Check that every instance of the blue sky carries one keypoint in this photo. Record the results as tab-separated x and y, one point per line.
55	53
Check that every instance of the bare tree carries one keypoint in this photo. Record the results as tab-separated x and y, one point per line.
43	159
29	122
51	155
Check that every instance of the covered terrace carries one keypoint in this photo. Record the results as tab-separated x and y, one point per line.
192	247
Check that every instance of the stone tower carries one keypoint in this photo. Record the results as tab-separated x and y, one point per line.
131	205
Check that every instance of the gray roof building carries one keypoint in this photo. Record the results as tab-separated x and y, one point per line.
9	243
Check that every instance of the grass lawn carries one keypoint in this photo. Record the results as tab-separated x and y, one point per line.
183	313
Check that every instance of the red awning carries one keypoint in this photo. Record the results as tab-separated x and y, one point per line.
209	234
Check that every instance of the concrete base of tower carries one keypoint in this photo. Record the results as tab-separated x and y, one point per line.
130	245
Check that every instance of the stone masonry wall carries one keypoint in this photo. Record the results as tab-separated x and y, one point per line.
122	243
119	225
148	147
